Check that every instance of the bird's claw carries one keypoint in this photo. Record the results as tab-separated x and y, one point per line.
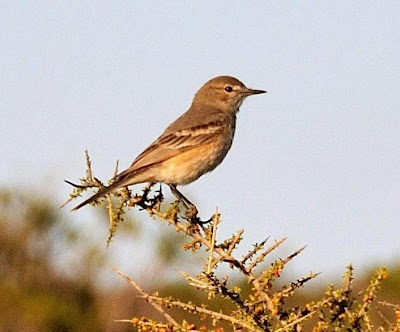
192	216
191	212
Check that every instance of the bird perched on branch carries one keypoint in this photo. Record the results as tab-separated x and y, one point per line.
194	144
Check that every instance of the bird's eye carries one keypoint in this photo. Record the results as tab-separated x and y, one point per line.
228	88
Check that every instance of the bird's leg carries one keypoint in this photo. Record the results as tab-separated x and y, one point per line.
191	208
191	212
180	196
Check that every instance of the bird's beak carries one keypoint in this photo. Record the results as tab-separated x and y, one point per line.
253	92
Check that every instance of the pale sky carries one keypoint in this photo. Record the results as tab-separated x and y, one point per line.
317	159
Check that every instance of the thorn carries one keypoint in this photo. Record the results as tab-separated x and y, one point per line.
75	185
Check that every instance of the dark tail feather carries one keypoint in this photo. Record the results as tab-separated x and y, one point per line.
102	192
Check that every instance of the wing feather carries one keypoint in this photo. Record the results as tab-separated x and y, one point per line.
171	144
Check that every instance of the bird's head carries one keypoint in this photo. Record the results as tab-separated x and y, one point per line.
223	92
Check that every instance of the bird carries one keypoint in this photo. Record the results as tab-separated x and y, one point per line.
194	144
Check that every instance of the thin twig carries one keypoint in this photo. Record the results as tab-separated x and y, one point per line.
295	285
148	298
214	234
297	321
267	251
89	173
235	298
235	240
313	310
252	252
116	169
388	304
110	217
193	307
71	198
290	257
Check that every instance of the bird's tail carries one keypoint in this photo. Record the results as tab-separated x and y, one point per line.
126	178
102	192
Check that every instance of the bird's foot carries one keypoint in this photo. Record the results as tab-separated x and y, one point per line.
196	220
191	212
191	215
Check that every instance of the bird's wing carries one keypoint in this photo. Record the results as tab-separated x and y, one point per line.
170	144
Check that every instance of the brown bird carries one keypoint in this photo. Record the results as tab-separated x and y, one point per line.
193	144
